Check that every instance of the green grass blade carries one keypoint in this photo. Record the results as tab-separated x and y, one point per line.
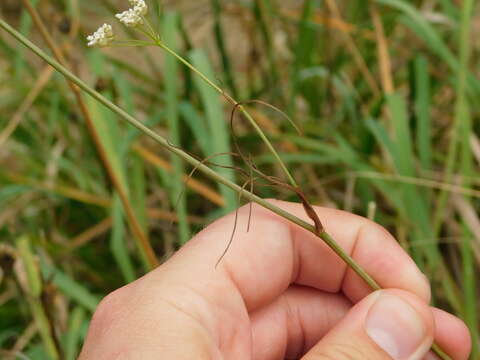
33	276
423	28
415	205
139	190
263	12
219	38
109	133
403	136
422	112
304	50
197	126
382	136
34	291
170	31
74	334
464	126
450	9
25	27
70	287
217	124
417	22
118	241
137	177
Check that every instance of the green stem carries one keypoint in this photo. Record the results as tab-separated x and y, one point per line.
124	43
233	102
351	263
150	30
147	34
199	165
240	108
186	157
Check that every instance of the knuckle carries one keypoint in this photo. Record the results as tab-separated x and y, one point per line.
373	228
108	311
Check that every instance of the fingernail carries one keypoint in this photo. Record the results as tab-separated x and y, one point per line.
395	326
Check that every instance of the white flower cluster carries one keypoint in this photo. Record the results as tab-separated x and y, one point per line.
133	16
102	37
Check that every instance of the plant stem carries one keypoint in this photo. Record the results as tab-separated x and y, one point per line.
185	156
199	165
241	108
228	97
126	43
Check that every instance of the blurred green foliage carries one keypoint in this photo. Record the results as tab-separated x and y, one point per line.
383	90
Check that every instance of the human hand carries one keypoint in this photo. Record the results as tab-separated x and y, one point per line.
279	293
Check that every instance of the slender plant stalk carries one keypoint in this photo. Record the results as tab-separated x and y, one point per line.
241	108
185	156
142	240
199	165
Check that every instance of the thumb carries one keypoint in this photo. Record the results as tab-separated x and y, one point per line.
386	325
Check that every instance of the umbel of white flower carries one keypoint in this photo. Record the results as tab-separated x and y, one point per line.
133	16
102	37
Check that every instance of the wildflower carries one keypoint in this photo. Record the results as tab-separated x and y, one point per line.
129	18
133	16
140	7
102	37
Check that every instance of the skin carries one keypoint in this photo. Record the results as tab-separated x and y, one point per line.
280	292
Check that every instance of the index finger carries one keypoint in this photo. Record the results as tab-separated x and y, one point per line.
263	262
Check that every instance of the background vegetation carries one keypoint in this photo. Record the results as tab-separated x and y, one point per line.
386	93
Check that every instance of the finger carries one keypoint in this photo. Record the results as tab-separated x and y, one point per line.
451	335
262	263
368	243
386	325
295	322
